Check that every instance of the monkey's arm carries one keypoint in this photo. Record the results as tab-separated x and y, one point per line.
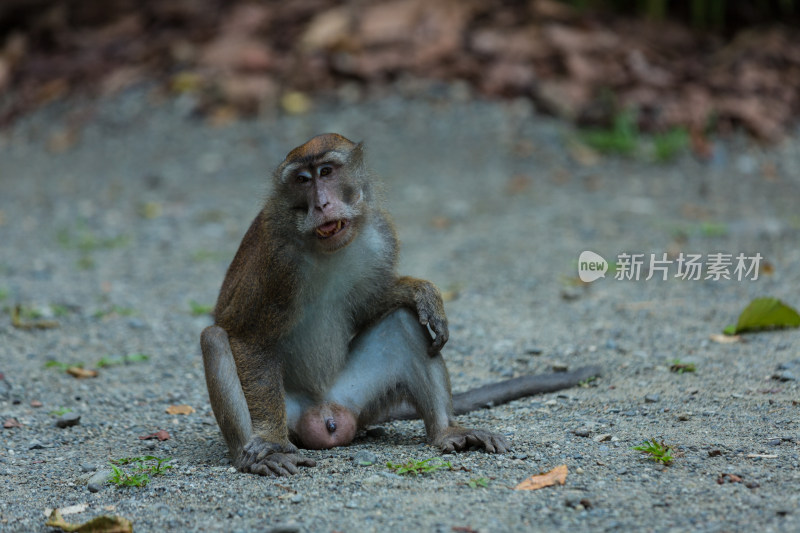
506	391
423	297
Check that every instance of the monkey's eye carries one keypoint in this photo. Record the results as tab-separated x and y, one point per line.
325	170
303	178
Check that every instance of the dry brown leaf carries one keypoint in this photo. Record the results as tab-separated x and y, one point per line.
101	524
556	476
180	410
19	323
72	509
730	478
160	434
11	423
518	184
81	373
329	29
725	339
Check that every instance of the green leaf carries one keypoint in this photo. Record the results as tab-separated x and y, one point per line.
765	313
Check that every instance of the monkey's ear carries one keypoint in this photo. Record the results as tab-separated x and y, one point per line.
357	153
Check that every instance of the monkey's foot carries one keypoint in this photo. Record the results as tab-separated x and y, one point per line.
271	459
458	439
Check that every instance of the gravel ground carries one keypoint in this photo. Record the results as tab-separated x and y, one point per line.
116	215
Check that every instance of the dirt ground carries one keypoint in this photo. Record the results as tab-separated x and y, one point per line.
121	228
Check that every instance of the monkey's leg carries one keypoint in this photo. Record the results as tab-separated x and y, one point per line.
249	452
389	363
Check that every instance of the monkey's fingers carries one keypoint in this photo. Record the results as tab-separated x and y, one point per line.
442	334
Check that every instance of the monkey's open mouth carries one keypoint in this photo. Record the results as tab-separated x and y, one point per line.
329	229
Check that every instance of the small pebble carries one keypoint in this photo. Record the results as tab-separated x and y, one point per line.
297	498
365	458
652	398
603	438
35	445
559	366
784	375
88	467
377	431
520	456
683	417
68	420
99	480
351	505
582	432
773	442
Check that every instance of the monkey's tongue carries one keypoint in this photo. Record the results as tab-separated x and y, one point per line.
329	228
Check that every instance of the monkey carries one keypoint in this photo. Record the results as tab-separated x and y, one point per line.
315	335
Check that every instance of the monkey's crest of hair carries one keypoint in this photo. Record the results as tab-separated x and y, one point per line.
327	147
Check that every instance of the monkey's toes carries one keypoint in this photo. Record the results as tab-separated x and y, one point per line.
280	464
462	439
271	459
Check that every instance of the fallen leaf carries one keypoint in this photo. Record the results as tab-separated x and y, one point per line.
765	313
17	322
440	222
11	423
160	434
180	410
725	339
101	524
518	184
72	509
81	373
295	103
730	478
556	476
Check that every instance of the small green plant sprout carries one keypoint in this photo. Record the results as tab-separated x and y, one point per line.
621	139
678	366
478	483
414	468
667	145
588	382
124	360
658	451
61	411
114	310
198	309
141	472
62	366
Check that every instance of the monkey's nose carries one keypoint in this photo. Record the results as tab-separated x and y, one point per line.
330	425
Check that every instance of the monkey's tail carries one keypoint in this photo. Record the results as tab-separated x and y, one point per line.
506	391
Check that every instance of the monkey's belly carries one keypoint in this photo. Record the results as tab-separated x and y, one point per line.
313	359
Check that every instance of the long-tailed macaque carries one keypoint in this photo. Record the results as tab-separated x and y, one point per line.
316	336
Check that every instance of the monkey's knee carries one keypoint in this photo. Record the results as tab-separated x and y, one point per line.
325	426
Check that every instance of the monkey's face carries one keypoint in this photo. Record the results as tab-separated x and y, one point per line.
322	183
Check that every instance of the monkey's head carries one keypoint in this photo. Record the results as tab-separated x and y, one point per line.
325	185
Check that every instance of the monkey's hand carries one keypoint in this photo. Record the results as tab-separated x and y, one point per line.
430	310
271	459
457	439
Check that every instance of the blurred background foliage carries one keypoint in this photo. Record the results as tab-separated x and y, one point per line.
697	67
